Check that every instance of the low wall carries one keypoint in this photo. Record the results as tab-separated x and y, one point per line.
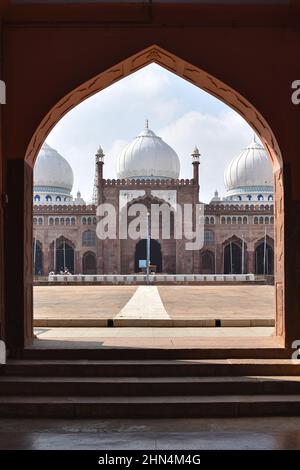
154	279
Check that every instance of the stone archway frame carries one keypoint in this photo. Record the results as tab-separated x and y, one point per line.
208	83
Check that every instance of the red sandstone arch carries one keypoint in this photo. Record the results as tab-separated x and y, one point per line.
203	80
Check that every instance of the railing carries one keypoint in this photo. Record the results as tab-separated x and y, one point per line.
154	278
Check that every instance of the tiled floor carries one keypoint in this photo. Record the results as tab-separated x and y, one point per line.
187	434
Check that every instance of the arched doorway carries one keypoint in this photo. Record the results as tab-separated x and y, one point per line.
89	263
207	262
200	78
264	259
37	258
155	254
233	258
64	256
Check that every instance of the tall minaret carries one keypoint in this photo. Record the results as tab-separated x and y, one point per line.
196	162
99	162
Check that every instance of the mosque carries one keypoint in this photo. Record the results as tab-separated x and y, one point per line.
238	228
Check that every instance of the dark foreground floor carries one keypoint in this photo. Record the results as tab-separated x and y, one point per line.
189	434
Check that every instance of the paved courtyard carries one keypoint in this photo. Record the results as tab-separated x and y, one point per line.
66	303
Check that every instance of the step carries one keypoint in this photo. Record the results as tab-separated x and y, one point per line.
261	348
150	407
152	368
143	386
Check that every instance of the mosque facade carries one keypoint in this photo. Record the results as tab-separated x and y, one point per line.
238	234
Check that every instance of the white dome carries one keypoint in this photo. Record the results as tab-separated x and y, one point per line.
249	172
52	172
148	157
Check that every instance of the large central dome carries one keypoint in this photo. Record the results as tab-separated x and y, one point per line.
148	157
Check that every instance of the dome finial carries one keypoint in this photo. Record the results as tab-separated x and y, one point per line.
147	124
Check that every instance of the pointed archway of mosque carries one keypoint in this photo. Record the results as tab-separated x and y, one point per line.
201	78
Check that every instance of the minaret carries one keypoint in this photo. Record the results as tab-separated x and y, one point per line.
196	162
99	162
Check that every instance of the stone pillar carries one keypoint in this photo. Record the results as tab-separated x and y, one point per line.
250	263
48	263
18	256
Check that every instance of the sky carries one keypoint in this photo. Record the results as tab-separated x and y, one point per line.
179	112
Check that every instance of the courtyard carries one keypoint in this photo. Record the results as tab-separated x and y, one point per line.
149	316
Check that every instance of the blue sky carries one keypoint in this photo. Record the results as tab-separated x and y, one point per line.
180	113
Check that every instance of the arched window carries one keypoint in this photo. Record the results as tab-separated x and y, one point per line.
272	220
249	197
245	220
89	221
88	238
48	198
51	221
240	220
209	237
261	220
212	220
56	221
40	221
223	220
34	221
84	220
267	220
62	221
73	220
94	220
58	198
256	220
206	220
228	221
270	197
68	221
260	197
37	197
234	220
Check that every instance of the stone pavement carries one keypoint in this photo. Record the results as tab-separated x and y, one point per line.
148	337
272	433
174	302
144	304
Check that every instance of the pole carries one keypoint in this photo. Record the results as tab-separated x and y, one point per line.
54	255
148	248
64	255
34	254
215	259
243	253
265	248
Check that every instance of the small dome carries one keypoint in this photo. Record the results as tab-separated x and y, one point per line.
250	171
148	157
52	171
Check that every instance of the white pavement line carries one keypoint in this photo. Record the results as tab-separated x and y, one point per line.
144	304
